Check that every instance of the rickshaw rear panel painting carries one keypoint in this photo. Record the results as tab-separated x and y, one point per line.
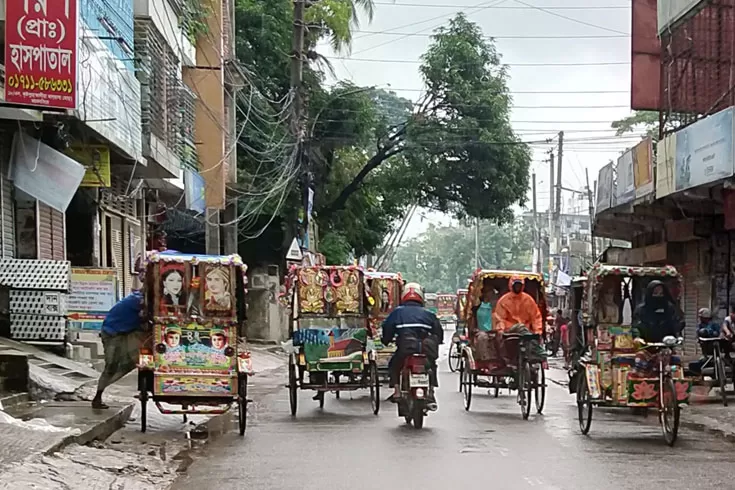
191	356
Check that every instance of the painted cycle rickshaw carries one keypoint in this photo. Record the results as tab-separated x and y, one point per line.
608	374
459	338
191	356
385	289
331	346
514	361
445	303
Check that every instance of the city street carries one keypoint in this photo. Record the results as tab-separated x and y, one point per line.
345	446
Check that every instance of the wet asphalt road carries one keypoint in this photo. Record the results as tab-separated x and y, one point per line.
345	446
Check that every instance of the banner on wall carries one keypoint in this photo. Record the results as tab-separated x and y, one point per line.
643	167
93	294
704	151
605	188
666	166
625	188
96	161
41	53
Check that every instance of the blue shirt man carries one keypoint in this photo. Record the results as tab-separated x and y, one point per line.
121	341
124	317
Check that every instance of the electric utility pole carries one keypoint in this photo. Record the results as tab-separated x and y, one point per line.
536	231
590	198
297	70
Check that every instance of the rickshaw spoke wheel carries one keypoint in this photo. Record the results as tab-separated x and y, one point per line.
539	390
293	395
467	385
669	411
584	405
525	384
461	368
374	388
721	377
242	403
453	358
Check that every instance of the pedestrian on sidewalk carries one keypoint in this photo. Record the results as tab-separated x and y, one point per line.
121	337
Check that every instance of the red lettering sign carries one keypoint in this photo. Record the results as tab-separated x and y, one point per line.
41	53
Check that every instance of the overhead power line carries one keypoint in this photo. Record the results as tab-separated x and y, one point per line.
575	63
426	34
508	7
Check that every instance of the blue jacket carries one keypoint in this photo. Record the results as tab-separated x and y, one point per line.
124	317
709	330
410	322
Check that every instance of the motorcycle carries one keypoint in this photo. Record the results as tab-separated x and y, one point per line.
415	387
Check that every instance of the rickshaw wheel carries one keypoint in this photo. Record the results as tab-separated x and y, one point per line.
524	389
721	378
669	412
292	393
453	358
539	391
143	410
584	406
374	381
461	368
467	386
242	403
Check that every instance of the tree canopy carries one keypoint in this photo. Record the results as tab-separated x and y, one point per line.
443	258
372	154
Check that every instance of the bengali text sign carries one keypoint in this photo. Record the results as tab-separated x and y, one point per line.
41	53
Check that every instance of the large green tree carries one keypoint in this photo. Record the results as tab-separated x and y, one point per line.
443	258
369	153
457	147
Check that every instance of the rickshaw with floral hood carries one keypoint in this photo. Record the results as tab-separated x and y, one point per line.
632	331
504	314
459	338
331	346
385	289
193	355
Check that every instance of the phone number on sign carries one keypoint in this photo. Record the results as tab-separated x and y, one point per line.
43	84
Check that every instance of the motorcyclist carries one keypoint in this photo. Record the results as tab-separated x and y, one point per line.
418	331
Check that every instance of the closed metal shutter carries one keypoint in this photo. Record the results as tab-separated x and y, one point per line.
116	248
697	293
51	239
7	215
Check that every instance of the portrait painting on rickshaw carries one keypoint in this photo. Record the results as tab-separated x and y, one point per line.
217	290
173	290
186	346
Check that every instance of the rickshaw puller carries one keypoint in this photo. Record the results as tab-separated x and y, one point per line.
419	331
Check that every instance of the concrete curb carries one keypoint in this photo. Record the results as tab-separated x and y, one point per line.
101	430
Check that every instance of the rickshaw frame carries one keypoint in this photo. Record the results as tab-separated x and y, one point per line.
587	369
363	377
151	367
376	320
525	374
459	338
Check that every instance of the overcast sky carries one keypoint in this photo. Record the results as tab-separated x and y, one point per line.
591	38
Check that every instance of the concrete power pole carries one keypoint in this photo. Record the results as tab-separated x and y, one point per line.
536	232
592	214
297	64
550	214
477	243
557	204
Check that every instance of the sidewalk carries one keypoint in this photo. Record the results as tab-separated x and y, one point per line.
43	442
